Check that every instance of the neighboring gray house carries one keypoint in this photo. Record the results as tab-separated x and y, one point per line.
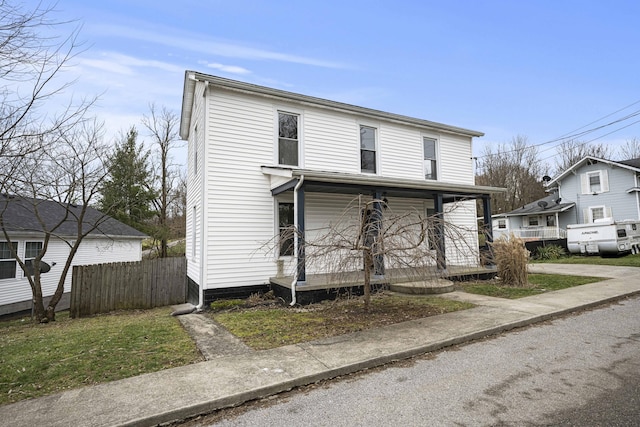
591	189
22	218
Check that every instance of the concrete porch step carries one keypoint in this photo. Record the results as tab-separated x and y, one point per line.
423	287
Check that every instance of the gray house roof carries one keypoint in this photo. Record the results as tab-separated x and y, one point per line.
631	164
547	205
26	215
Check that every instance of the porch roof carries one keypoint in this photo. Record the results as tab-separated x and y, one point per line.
338	182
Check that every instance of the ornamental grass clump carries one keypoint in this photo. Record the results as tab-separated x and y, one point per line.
511	258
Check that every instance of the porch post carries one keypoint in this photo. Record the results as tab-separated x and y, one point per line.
302	274
488	225
376	218
441	259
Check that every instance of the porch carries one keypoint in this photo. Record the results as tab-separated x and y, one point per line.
323	286
534	233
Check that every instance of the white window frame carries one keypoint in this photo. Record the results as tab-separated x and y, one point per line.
435	159
594	208
603	178
376	151
25	258
298	114
17	246
537	219
502	224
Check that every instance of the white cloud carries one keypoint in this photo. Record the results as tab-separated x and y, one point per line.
203	45
233	69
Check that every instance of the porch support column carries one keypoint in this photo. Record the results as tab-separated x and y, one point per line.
488	224
441	259
376	219
302	273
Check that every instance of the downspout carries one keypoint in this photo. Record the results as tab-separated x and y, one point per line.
203	193
294	282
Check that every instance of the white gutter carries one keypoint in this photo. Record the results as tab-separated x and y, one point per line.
203	193
294	282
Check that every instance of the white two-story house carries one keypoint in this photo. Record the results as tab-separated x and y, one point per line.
260	159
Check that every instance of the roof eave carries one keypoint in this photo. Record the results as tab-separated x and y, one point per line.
305	99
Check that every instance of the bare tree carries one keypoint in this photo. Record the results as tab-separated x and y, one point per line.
516	167
631	149
572	151
163	127
55	187
31	64
369	237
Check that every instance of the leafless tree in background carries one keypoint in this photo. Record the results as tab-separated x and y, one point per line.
572	151
516	167
162	125
630	149
32	61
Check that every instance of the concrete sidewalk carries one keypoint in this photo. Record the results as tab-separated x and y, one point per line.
232	379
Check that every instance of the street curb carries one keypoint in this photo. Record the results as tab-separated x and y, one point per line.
263	392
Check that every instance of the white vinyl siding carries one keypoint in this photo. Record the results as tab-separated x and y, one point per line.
456	165
91	251
239	207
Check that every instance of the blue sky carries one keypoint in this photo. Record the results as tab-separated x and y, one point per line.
539	69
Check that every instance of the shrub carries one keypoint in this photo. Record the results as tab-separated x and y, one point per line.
511	259
550	252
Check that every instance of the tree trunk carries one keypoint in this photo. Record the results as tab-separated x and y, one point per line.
368	266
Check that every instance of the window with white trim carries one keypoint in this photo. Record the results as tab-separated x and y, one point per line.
430	162
367	149
502	223
595	182
31	251
533	221
288	139
596	213
7	260
285	228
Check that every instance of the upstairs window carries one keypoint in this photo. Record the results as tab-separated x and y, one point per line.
367	149
595	182
287	139
430	163
285	226
7	260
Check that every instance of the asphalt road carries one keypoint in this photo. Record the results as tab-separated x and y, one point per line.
581	370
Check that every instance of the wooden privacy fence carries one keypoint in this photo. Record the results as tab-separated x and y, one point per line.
101	288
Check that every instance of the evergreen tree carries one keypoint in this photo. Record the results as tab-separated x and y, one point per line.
127	194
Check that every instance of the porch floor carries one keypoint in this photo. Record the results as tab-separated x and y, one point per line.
316	282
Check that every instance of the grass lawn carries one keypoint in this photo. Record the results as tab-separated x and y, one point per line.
41	359
539	283
263	327
623	261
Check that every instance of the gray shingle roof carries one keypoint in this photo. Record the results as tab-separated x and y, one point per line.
22	214
549	204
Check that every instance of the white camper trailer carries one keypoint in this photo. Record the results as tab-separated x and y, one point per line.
604	236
